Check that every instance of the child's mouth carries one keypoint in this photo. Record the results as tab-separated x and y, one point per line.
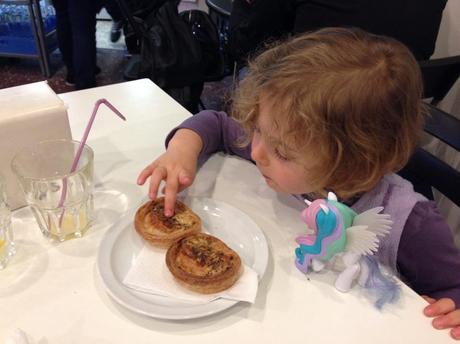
267	178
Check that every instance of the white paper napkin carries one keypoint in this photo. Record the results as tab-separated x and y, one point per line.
149	274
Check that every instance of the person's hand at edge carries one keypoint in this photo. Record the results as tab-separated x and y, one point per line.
445	315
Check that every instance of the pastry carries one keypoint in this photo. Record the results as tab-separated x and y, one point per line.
161	231
203	263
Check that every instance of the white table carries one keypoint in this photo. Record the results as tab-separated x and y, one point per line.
54	293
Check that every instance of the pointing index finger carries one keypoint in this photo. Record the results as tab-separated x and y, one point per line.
158	175
171	188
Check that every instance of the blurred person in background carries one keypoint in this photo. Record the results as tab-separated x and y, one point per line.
414	23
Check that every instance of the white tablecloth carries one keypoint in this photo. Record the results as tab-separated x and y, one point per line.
55	294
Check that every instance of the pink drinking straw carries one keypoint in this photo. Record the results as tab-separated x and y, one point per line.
82	145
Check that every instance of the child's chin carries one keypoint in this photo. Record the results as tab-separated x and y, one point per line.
279	189
270	183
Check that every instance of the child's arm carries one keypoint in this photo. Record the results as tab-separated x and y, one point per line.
445	315
195	139
219	132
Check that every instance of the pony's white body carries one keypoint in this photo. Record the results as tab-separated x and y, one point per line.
351	268
362	238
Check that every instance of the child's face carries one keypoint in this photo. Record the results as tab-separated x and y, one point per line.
284	170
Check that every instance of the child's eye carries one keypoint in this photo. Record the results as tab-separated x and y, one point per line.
280	155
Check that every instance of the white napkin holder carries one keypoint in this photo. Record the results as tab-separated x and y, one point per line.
28	114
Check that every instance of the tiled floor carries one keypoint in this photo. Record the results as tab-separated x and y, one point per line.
103	28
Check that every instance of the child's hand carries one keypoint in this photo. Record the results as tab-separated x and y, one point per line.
177	166
445	315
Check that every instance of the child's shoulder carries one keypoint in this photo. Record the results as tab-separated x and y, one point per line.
405	187
406	209
422	211
402	200
394	193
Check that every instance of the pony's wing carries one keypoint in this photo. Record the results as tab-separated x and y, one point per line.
380	224
361	240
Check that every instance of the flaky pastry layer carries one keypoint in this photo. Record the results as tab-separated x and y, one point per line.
161	231
203	263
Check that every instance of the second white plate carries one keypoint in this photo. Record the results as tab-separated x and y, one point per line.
121	245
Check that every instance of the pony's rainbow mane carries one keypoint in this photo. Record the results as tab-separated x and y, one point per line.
330	234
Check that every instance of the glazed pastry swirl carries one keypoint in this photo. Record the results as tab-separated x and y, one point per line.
179	222
203	263
203	251
159	230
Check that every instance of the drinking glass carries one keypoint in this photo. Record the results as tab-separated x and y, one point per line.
62	201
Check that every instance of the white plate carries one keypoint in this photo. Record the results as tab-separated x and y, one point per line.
121	245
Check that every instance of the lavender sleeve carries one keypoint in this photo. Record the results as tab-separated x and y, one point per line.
219	133
428	259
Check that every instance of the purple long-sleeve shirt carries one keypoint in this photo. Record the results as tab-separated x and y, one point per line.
427	259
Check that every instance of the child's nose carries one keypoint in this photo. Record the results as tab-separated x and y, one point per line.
258	153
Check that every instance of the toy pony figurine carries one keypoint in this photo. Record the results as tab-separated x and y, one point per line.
350	240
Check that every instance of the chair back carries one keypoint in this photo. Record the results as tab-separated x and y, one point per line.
425	171
439	75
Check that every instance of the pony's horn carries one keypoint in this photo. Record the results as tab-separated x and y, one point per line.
325	209
331	196
307	202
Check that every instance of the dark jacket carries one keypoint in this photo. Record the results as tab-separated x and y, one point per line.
415	23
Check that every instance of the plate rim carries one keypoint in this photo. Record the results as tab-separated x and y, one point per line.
119	292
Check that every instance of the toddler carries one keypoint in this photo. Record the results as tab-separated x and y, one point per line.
334	110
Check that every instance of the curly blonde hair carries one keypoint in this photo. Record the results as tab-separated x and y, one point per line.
351	97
